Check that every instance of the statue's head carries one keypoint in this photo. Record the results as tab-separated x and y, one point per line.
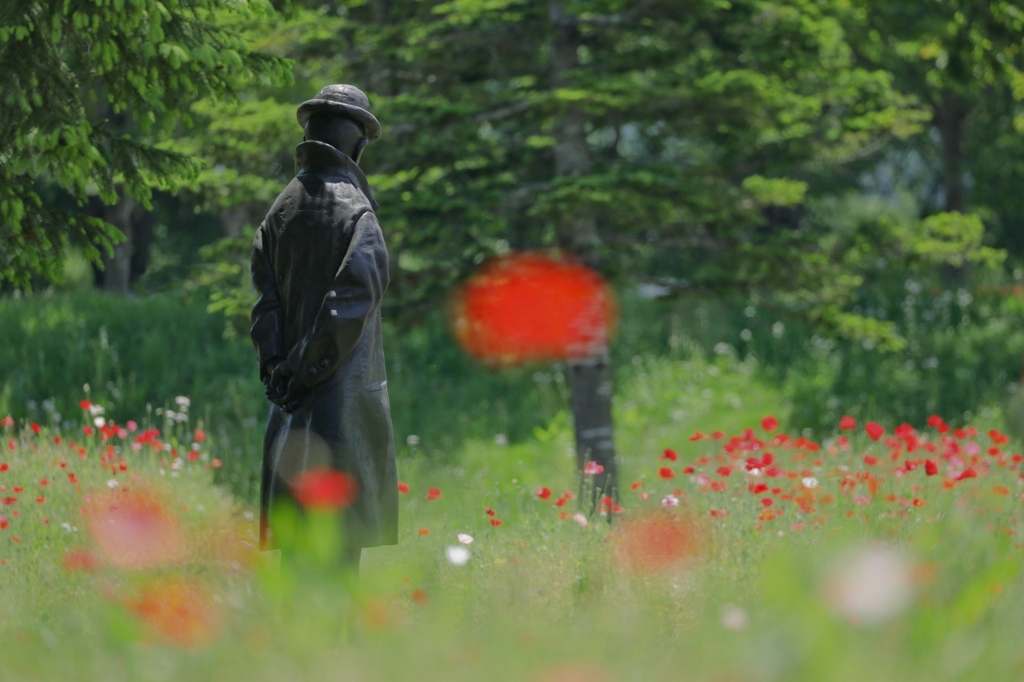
340	116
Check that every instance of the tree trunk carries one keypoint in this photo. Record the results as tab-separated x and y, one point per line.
950	119
590	382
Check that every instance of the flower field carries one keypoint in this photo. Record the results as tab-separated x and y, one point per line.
741	553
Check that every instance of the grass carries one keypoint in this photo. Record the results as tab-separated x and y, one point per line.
868	573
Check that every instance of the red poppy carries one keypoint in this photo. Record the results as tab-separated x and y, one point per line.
930	468
998	438
4	467
723	471
424	531
532	307
666	472
544	493
433	493
85	404
767	501
769	423
6	421
670	455
199	436
324	488
403	488
495	522
35	428
874	430
4	522
870	461
489	512
847	423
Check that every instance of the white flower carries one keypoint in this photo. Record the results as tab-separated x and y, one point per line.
457	555
182	402
412	439
96	410
809	482
99	422
500	439
870	584
580	519
670	501
734	618
112	483
177	464
69	528
464	538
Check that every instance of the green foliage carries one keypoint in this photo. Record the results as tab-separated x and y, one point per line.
877	588
87	89
689	156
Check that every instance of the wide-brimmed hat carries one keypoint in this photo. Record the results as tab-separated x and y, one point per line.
344	100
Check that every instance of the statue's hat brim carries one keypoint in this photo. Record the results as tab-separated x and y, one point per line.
367	121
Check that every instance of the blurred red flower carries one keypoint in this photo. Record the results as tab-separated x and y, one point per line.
666	472
670	455
847	423
769	423
403	488
532	307
649	544
433	493
544	493
324	489
135	528
874	430
80	560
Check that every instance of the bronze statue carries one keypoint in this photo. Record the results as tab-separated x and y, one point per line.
320	267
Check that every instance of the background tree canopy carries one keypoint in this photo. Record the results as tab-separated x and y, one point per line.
716	148
828	161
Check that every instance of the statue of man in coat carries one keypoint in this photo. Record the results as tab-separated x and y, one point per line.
320	268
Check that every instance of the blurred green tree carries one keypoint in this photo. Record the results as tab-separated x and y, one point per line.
86	90
698	147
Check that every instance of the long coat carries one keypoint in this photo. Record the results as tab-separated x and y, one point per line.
320	267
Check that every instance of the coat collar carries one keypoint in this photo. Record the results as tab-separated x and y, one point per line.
315	155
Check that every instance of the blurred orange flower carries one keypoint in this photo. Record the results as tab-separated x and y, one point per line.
177	609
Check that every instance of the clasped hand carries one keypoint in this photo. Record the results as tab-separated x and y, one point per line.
283	387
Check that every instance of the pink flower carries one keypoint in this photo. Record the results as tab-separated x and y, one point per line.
593	468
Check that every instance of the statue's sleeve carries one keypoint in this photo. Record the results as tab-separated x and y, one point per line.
267	316
353	298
